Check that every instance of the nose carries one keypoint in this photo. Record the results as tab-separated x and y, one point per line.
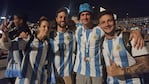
63	19
106	23
85	16
46	28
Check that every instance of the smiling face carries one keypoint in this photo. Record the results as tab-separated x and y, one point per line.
85	18
44	27
61	19
107	23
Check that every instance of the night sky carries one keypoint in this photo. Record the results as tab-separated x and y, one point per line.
36	8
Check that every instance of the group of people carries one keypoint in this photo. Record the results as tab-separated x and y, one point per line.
89	55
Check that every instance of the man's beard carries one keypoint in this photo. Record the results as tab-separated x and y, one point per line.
62	26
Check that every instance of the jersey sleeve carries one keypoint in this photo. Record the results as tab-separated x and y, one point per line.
101	31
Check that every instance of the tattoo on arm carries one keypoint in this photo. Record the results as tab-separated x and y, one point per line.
141	66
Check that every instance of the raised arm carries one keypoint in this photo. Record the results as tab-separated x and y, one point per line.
5	42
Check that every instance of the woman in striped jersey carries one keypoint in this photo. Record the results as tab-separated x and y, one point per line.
33	65
122	67
62	43
15	46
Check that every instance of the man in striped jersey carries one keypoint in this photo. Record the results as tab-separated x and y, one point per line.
122	67
62	42
88	62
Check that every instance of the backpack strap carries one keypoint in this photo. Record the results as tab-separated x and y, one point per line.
101	53
127	44
102	61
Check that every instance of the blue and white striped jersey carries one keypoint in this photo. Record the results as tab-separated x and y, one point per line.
115	50
88	52
33	64
63	52
78	24
15	55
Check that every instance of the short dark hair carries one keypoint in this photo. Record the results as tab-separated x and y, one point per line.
106	12
63	9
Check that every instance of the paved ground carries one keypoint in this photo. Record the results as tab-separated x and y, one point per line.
2	69
2	65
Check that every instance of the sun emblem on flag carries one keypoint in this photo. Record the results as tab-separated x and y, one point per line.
95	37
118	48
68	38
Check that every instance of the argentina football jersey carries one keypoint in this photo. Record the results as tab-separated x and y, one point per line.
88	52
62	52
114	49
33	64
15	56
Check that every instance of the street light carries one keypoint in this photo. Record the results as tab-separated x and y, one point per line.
93	7
3	17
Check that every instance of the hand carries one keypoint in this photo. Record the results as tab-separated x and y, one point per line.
138	39
115	70
4	37
23	35
10	24
5	22
4	29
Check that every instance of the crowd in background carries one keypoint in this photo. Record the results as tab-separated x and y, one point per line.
66	55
